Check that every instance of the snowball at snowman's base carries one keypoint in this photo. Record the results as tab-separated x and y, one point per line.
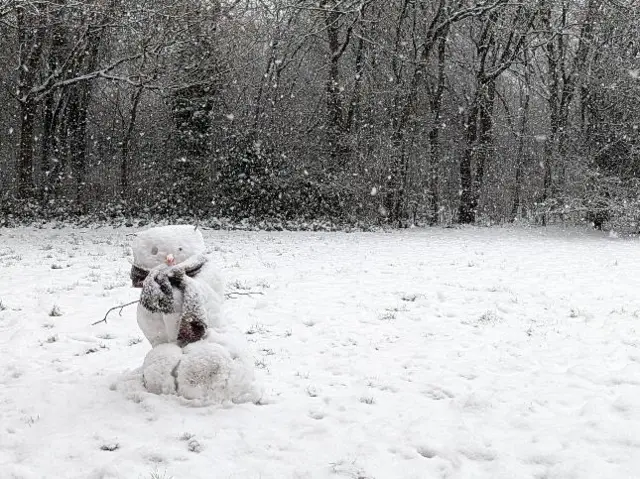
159	368
204	370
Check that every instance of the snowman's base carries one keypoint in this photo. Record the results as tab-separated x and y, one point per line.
202	370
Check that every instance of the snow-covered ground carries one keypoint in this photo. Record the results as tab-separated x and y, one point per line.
461	353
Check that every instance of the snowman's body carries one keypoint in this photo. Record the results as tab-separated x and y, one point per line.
161	327
214	366
151	249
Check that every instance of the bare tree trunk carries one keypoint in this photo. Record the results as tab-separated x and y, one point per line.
30	39
467	208
26	187
51	110
77	123
126	143
77	111
336	128
485	137
522	132
394	201
435	153
47	140
58	146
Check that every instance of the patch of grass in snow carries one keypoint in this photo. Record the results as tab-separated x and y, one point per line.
348	469
94	349
240	285
71	286
55	311
195	446
498	289
367	400
155	474
30	420
136	398
624	311
488	317
3	307
397	309
579	313
134	341
186	436
117	284
388	316
410	298
260	364
93	277
110	447
257	328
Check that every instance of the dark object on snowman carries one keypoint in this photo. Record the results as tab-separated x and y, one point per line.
191	268
158	288
192	329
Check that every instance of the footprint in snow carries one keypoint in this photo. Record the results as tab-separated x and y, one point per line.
437	393
317	415
426	451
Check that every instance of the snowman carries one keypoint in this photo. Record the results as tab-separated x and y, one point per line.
194	353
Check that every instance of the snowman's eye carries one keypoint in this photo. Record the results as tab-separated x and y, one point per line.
154	250
179	249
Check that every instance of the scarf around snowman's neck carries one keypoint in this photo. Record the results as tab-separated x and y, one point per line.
157	296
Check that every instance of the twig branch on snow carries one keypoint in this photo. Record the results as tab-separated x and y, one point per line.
235	294
120	307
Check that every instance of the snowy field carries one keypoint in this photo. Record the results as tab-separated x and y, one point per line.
459	353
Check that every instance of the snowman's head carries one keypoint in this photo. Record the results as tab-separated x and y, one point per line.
163	245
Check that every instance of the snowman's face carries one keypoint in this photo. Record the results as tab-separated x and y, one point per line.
163	245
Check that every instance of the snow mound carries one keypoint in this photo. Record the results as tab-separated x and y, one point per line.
204	370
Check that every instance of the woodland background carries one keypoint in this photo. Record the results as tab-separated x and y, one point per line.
392	112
